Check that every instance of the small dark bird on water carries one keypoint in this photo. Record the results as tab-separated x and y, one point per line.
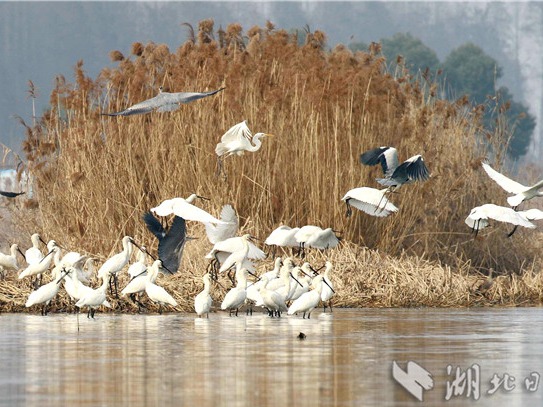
301	336
9	194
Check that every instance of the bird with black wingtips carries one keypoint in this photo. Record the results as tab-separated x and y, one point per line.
9	194
396	174
163	102
171	242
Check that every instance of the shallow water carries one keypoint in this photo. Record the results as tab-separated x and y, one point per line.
345	360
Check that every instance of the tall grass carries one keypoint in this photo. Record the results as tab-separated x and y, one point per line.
96	175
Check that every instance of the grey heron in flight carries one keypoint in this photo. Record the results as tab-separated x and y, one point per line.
171	242
163	102
396	174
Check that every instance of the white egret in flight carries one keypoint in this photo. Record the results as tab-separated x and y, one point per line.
369	200
163	102
478	217
237	140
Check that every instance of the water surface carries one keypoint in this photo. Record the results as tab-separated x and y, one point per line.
345	360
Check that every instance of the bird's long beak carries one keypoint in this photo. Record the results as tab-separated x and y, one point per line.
325	282
203	197
64	274
306	273
44	257
295	279
41	240
22	254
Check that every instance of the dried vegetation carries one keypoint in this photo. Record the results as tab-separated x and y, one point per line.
96	175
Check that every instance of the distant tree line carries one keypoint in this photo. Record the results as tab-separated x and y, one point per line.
467	71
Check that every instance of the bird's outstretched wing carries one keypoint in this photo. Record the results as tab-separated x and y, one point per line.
154	225
386	156
163	102
170	248
10	194
506	183
223	231
412	169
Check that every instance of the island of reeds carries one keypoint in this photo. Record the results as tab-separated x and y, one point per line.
94	175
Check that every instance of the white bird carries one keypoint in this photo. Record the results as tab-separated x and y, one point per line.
478	217
310	300
412	169
34	254
369	200
73	286
232	251
37	269
236	297
45	293
163	102
155	292
237	140
185	209
140	265
222	231
116	262
94	298
203	301
9	261
138	282
328	287
282	236
314	236
272	300
521	192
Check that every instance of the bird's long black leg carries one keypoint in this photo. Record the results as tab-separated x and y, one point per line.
349	211
513	231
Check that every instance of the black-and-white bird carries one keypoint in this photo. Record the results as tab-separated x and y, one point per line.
396	174
9	194
163	102
171	242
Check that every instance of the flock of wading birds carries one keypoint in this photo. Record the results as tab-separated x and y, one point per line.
287	288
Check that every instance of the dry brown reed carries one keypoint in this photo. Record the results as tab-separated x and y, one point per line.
96	175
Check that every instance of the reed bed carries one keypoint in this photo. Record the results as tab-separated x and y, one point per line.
95	175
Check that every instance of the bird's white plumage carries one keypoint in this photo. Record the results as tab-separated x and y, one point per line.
155	292
227	229
478	217
282	236
310	300
33	254
314	236
40	267
184	209
203	301
238	139
236	297
271	299
9	261
95	297
45	293
521	192
370	200
116	262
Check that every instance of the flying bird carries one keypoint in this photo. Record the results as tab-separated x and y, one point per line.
369	200
163	102
171	242
185	209
282	236
478	217
9	194
222	231
237	140
395	174
521	192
